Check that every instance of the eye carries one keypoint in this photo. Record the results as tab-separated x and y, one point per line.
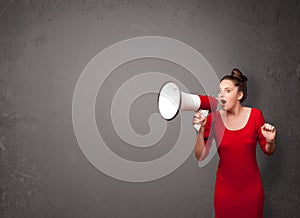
228	91
219	91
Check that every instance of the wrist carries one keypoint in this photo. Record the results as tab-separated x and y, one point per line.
201	130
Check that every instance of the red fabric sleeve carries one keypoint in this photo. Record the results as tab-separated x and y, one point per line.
260	138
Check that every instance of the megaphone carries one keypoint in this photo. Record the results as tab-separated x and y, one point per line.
171	100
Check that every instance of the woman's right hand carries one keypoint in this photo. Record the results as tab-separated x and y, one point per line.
199	119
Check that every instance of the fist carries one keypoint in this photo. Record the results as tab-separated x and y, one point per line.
269	132
199	119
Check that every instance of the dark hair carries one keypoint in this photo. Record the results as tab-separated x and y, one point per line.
239	80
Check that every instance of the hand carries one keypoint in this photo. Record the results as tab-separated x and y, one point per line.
269	132
199	119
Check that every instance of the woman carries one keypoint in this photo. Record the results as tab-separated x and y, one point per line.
236	130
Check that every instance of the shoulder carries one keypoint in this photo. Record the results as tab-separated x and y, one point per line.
253	113
257	115
256	111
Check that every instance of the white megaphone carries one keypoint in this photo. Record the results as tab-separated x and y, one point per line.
171	100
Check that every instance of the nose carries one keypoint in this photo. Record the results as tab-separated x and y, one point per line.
221	94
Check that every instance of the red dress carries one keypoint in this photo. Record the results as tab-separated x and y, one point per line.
238	188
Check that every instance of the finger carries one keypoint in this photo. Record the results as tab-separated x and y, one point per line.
273	129
202	119
268	127
199	121
197	115
196	121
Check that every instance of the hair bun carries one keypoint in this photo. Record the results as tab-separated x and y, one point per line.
238	74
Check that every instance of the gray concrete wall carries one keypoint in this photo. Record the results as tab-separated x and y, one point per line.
44	47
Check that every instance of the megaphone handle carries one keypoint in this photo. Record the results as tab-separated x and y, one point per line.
197	127
203	112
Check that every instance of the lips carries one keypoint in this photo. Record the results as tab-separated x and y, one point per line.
223	101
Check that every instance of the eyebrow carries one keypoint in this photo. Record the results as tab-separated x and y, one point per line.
226	88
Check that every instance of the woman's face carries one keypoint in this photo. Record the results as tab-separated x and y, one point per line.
228	94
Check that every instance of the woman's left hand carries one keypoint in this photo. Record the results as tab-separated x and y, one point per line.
269	132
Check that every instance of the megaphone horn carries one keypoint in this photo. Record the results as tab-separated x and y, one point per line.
171	100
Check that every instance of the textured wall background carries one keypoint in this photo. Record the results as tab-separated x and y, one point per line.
45	45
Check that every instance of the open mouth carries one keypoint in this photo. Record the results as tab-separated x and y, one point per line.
223	101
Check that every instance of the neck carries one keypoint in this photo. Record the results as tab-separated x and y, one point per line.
234	111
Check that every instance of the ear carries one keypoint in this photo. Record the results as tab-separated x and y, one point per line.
240	95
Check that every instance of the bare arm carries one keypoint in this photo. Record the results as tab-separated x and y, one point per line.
199	148
270	147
